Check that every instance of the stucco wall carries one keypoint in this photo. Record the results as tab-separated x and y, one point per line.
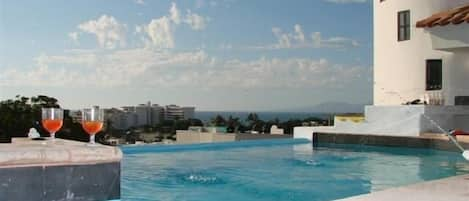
190	137
399	67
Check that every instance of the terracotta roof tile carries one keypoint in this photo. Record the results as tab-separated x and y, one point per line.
454	16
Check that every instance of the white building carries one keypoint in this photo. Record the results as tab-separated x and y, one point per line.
157	114
148	114
274	130
143	112
174	112
419	60
123	120
421	51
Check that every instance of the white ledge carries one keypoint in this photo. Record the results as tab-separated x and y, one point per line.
24	152
453	188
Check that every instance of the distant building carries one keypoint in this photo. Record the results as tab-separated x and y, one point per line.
124	120
174	112
157	114
147	114
274	130
197	134
143	114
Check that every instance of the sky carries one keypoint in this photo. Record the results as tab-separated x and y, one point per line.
229	55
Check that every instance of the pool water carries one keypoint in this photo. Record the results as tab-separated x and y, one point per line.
282	170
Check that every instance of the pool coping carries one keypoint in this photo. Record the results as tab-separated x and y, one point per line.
24	152
453	188
428	140
59	170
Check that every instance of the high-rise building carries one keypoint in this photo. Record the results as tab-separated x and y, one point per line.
157	114
148	115
173	112
143	115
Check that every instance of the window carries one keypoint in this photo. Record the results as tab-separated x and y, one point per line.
461	100
434	74
403	25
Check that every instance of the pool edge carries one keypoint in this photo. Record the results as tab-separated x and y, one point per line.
452	188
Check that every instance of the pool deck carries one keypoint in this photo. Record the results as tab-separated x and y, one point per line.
453	188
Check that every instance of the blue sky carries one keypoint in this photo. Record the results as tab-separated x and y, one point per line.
215	55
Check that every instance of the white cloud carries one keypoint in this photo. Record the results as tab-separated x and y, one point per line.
195	21
282	38
297	39
346	1
160	32
141	2
334	42
299	35
109	32
174	14
147	68
138	29
73	36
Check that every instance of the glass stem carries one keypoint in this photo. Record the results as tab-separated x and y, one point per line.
92	139
52	136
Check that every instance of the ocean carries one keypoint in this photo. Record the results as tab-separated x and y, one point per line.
206	116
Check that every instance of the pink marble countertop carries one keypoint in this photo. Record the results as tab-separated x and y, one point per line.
24	152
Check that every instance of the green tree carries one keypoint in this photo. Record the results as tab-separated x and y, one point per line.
252	117
218	121
21	113
196	122
233	124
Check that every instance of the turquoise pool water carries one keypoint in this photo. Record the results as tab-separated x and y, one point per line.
270	170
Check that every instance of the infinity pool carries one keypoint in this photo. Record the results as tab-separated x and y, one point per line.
283	170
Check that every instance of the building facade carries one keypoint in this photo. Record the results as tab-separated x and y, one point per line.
421	71
174	112
412	62
148	115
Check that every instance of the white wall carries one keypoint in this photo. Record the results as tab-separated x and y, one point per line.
399	67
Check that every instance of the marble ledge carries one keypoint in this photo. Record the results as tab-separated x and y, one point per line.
24	152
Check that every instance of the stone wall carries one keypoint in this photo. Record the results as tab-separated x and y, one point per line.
58	169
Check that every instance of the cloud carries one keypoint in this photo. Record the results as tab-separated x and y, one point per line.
213	3
346	1
297	39
73	36
195	21
147	68
159	32
334	42
108	31
174	14
141	2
